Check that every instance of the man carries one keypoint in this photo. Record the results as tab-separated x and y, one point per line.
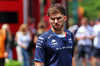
55	47
96	42
83	36
4	46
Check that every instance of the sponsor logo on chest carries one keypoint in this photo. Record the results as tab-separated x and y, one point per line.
54	43
70	40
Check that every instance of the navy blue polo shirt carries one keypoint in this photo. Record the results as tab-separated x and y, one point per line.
53	50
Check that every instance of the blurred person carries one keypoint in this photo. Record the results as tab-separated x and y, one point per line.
7	28
41	28
4	46
32	29
55	47
46	21
96	42
18	48
32	26
23	41
74	29
91	23
83	36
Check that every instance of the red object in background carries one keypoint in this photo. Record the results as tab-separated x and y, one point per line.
46	20
47	4
58	1
36	11
11	12
14	53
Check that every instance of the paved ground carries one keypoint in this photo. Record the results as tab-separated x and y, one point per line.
79	62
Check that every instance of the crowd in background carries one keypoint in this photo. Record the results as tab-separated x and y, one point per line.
87	40
22	45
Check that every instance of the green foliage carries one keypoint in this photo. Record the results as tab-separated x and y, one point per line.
91	8
10	62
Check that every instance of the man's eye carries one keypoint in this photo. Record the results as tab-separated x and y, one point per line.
52	18
58	18
55	18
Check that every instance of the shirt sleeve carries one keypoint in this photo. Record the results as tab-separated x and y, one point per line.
40	52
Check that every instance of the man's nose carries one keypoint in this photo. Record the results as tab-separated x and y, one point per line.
56	20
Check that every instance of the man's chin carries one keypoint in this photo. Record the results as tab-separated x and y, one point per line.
57	29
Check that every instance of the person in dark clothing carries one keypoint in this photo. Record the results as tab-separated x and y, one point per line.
55	47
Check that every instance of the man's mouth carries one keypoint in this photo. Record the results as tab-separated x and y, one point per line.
56	25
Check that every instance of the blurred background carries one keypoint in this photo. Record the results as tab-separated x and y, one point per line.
16	12
32	12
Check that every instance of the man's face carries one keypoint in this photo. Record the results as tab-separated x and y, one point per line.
57	21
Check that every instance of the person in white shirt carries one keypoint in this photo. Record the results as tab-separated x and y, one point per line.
23	41
96	35
84	41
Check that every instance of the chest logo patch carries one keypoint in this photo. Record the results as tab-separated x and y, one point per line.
54	43
70	40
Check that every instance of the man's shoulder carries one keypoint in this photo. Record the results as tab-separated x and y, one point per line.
68	32
46	34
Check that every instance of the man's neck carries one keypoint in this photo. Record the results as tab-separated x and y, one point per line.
58	31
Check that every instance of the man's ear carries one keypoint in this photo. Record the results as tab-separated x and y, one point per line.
65	18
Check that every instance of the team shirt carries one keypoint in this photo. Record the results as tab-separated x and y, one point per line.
84	31
54	50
